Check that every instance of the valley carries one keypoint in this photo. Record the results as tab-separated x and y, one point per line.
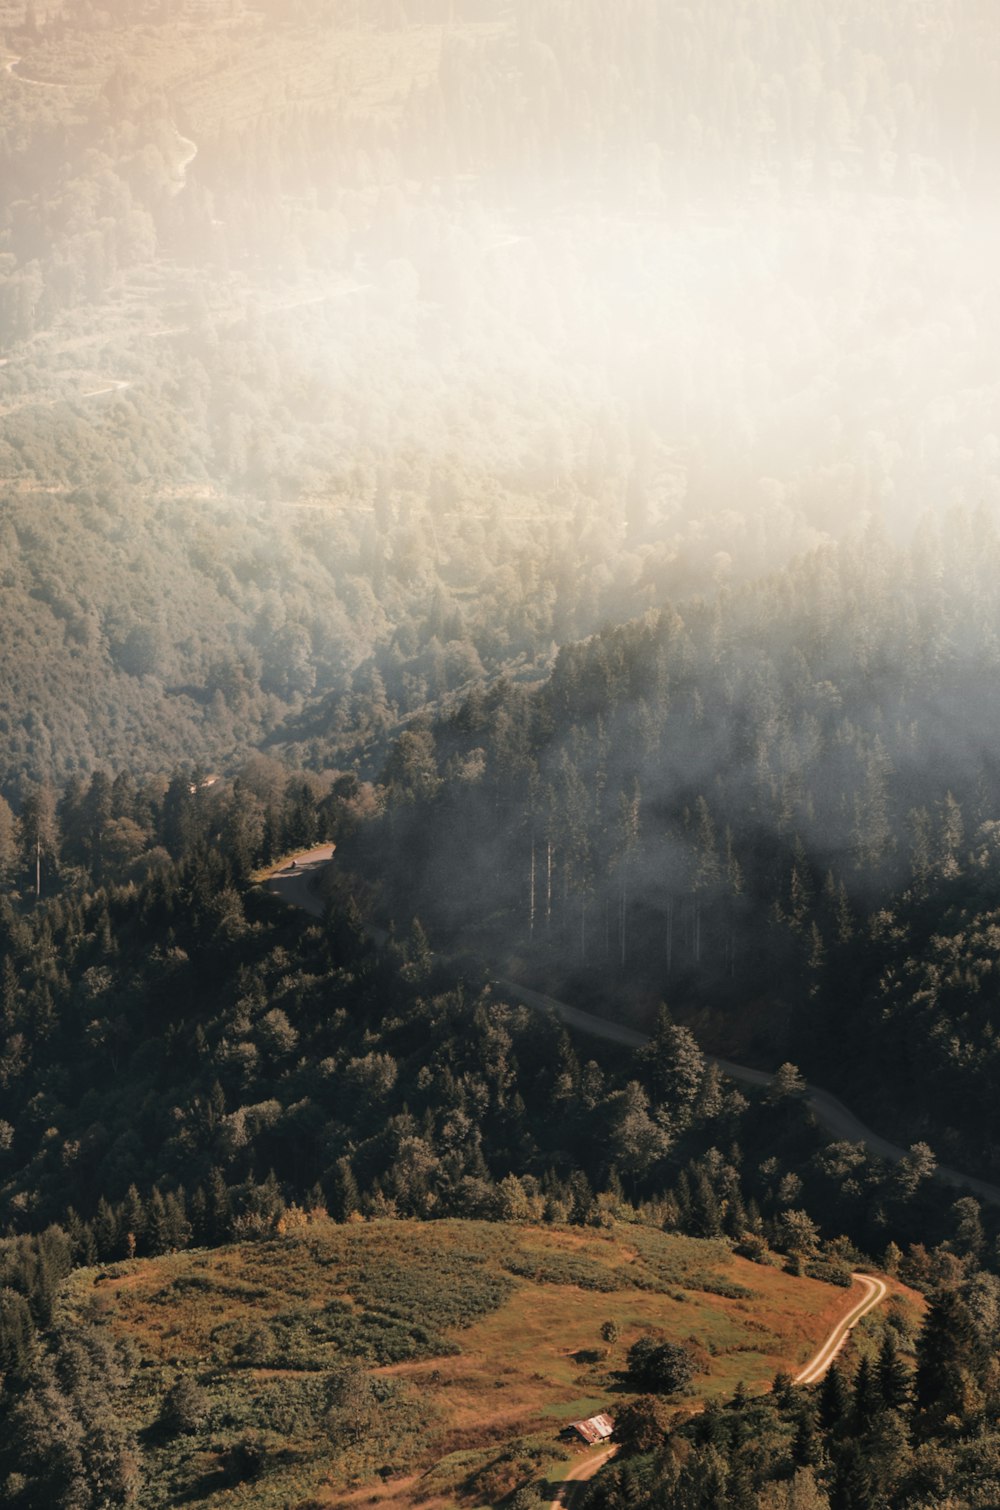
519	482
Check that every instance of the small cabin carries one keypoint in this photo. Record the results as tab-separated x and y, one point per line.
594	1429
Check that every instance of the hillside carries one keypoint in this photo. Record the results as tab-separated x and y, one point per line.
333	376
542	457
478	1342
776	810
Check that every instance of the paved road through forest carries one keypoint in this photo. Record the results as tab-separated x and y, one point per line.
297	886
832	1115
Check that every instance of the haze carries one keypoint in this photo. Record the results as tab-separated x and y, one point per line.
552	313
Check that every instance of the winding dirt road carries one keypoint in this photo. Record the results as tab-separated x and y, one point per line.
874	1292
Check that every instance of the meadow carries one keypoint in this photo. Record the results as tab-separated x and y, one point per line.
435	1363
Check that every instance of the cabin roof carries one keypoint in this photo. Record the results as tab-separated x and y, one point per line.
594	1428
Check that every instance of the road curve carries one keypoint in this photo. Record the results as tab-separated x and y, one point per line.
832	1115
583	1470
10	66
875	1291
295	879
188	153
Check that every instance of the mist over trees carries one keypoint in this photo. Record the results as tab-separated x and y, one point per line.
762	805
352	354
548	449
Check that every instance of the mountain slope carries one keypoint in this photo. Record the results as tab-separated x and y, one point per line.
478	1343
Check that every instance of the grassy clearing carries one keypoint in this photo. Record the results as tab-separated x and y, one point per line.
479	1341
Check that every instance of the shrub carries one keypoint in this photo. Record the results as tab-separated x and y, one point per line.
660	1367
185	1407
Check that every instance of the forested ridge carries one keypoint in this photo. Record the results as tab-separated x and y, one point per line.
187	1062
776	807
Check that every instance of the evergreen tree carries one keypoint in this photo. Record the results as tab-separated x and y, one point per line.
893	1374
834	1399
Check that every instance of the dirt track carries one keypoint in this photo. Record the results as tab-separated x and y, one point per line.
875	1291
296	879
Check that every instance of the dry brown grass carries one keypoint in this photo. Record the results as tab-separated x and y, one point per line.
457	1425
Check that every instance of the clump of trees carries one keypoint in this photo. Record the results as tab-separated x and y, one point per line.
660	1367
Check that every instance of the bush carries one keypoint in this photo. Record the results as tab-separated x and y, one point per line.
754	1247
832	1271
185	1407
660	1367
644	1424
246	1459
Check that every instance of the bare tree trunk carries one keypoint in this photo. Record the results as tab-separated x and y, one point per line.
531	891
548	885
624	914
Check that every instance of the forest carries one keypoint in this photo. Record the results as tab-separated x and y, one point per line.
547	450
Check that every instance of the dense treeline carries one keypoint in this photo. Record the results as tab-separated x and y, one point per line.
182	1057
185	1032
774	797
185	1061
110	830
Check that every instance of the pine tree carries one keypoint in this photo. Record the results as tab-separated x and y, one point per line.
178	1227
807	1449
946	1341
133	1222
17	1335
676	1069
106	1231
198	1211
159	1224
345	1197
867	1395
893	1374
834	1399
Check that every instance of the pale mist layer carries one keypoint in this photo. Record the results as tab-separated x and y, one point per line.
434	334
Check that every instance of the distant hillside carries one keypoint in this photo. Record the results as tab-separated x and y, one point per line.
334	372
477	1341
